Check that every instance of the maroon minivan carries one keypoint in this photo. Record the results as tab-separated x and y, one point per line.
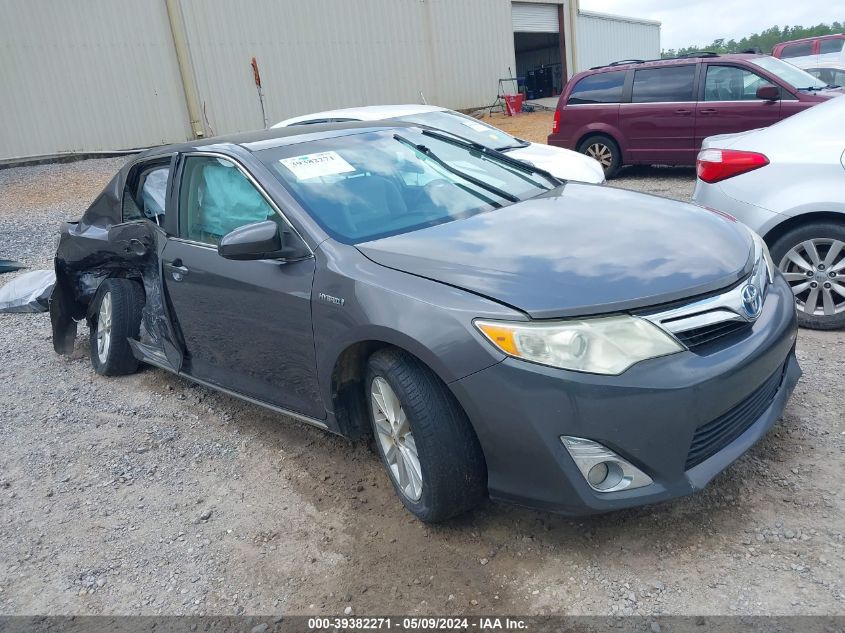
657	112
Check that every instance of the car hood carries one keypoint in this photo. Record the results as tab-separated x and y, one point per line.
577	250
560	163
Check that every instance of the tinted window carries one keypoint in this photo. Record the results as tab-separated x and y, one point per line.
729	83
797	50
215	198
673	83
599	88
830	46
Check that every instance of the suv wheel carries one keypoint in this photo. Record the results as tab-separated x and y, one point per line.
424	438
605	150
812	258
117	318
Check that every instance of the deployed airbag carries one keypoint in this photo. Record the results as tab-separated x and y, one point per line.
29	292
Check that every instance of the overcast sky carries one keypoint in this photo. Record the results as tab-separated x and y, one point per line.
688	22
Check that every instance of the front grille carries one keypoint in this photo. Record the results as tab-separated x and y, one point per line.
712	437
702	336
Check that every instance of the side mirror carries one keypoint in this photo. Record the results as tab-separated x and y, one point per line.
261	240
768	92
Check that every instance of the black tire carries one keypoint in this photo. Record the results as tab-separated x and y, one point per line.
454	474
823	231
603	143
127	302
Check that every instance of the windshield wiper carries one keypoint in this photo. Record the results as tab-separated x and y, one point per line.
520	143
476	181
496	155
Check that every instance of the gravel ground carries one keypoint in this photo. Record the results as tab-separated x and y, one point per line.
147	494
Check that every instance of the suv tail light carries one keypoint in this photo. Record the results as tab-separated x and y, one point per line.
556	122
714	165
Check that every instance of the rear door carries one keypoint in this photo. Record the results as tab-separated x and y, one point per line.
728	102
659	122
246	325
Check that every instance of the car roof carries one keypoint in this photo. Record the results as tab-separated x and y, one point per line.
275	137
672	61
830	36
365	113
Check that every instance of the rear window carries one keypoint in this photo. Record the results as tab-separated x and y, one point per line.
599	88
797	50
831	46
673	83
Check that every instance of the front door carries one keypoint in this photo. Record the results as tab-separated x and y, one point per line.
246	325
729	102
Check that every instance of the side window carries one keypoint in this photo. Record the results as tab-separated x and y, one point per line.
729	83
145	193
831	46
215	198
797	50
672	83
599	88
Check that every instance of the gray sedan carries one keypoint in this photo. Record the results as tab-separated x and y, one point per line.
497	332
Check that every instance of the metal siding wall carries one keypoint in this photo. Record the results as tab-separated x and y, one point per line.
472	48
601	40
321	54
87	75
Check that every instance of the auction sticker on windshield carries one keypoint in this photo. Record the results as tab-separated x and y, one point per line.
315	165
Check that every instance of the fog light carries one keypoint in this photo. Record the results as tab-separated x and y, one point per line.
603	469
597	474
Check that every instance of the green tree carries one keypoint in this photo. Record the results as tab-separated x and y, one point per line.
764	40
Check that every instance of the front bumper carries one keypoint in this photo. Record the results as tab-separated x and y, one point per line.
648	415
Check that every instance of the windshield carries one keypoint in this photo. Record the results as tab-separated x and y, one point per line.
465	127
362	187
788	73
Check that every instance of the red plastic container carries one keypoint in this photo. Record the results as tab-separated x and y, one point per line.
513	104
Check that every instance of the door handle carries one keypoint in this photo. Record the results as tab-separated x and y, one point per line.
708	111
176	269
683	111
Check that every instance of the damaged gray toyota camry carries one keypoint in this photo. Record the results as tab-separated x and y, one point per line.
500	333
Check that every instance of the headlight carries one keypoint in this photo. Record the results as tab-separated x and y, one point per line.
761	250
604	345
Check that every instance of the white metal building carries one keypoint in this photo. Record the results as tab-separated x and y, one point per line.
105	75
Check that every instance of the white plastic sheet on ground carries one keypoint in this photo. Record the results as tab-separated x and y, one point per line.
29	292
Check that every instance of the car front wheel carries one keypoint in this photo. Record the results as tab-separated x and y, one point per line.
812	258
116	319
423	437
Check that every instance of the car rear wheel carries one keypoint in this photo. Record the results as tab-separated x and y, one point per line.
605	150
117	318
423	437
812	258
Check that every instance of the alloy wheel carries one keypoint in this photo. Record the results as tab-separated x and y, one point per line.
815	269
601	153
393	432
104	328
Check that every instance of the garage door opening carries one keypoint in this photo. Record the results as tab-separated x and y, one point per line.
539	48
538	63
